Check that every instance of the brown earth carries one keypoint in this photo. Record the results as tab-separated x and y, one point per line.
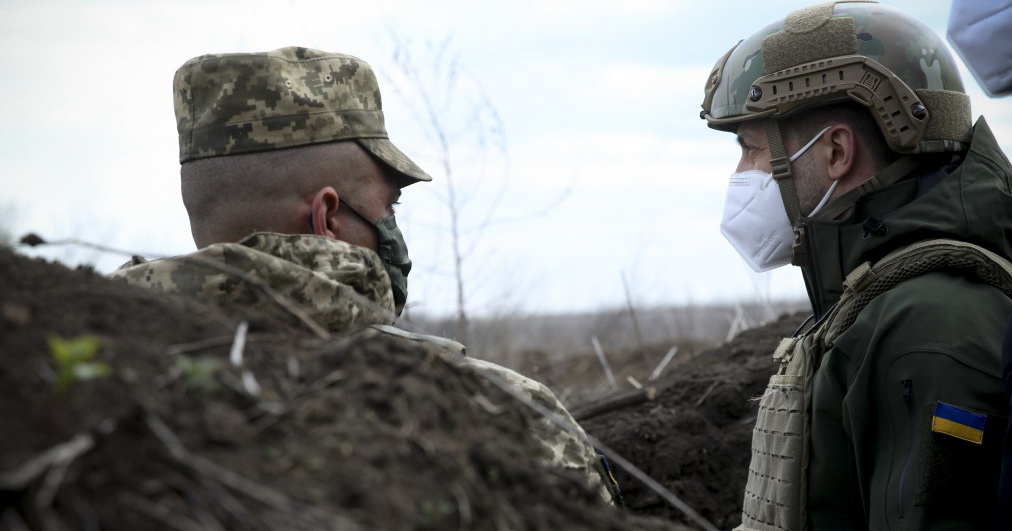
357	432
692	430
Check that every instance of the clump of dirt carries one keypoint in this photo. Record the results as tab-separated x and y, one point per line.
692	430
364	431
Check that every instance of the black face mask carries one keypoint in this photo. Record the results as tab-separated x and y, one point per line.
394	254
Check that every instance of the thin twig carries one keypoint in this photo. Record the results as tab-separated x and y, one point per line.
221	498
279	299
664	363
632	313
223	475
220	341
203	344
24	475
706	394
463	506
34	240
58	470
238	344
603	361
249	383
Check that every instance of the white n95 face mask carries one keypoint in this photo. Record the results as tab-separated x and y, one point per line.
755	220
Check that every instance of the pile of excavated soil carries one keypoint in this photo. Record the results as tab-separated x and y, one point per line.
358	432
692	430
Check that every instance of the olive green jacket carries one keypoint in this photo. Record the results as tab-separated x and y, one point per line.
880	459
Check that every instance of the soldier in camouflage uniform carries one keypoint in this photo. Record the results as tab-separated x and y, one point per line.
289	180
859	164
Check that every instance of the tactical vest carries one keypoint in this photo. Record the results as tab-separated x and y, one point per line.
777	488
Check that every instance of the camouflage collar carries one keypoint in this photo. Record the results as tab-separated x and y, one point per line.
337	284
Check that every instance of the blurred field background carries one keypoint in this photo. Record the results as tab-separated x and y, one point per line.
559	350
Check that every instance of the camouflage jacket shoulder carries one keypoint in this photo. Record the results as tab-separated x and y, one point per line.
563	442
337	284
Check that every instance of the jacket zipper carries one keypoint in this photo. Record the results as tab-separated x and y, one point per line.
908	394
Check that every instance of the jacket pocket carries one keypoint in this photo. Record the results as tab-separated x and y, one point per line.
908	404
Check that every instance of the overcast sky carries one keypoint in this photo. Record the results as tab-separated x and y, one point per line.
606	170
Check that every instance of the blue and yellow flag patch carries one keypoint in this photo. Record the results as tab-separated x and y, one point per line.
958	422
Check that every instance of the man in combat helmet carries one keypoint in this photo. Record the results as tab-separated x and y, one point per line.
860	165
290	182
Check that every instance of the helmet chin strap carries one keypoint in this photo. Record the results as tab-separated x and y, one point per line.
781	166
781	169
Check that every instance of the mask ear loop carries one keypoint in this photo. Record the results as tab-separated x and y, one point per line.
802	151
832	187
825	198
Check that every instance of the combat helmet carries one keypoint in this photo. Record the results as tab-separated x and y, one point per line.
847	51
856	51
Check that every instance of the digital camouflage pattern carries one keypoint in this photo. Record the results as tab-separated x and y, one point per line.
340	285
923	67
562	448
337	284
229	104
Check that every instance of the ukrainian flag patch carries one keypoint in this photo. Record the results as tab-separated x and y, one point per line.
958	422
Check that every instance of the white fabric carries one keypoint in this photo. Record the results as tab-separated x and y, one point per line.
755	220
979	31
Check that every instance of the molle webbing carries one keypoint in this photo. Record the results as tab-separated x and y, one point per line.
792	46
867	281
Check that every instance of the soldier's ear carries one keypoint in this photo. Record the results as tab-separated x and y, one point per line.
323	212
841	148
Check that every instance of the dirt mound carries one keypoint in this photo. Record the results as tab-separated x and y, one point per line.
147	424
692	430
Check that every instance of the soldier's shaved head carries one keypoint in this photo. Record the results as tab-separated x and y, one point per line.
230	197
265	136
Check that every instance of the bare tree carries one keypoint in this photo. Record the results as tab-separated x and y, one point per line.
465	131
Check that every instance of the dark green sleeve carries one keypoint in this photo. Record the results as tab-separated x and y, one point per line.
876	461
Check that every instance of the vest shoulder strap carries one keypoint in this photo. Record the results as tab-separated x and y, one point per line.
869	280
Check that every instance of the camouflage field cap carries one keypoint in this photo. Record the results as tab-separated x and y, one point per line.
229	104
850	51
